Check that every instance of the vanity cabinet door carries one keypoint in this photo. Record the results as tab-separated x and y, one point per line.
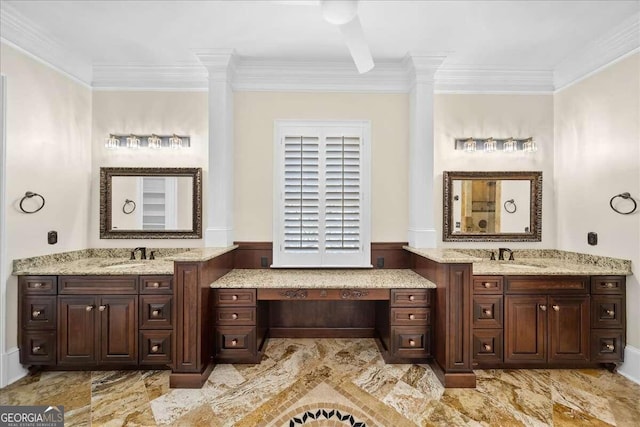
525	326
568	329
118	329
78	342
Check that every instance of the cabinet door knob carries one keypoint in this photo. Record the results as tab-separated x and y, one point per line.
486	347
543	307
412	298
234	316
155	348
609	285
155	313
609	347
89	307
556	307
35	349
36	313
102	307
487	285
234	297
234	342
487	311
155	285
37	285
611	313
412	316
412	343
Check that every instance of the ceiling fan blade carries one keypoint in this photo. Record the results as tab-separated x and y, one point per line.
357	44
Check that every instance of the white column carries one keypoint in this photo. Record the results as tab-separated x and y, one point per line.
219	184
422	229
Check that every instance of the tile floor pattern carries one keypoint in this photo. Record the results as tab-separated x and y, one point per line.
301	381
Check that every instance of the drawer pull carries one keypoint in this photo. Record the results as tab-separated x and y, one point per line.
89	307
234	297
155	313
543	307
36	313
487	312
487	285
609	347
412	316
35	349
556	307
486	347
412	298
155	348
611	313
412	343
234	316
234	343
102	308
155	285
609	285
37	285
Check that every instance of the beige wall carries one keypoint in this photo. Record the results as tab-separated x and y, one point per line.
597	134
163	113
255	113
499	116
47	132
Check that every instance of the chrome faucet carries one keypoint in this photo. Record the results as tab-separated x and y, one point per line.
501	254
143	253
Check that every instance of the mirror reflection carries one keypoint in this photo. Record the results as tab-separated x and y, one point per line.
492	206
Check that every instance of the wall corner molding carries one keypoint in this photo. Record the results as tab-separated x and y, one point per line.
598	53
474	79
17	31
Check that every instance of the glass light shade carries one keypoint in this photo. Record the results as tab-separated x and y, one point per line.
175	142
529	146
470	145
112	142
133	142
154	142
509	146
490	145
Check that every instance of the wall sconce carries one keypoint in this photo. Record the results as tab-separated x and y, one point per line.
490	145
152	141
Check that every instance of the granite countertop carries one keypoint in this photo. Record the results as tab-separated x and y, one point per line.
328	279
443	256
107	262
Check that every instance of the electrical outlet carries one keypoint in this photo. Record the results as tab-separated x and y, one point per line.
592	238
380	262
264	262
52	237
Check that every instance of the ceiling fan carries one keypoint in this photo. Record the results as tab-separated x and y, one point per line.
344	15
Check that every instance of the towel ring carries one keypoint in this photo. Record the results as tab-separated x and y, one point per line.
512	206
625	196
128	202
28	195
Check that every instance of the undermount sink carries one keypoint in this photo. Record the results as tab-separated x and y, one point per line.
124	265
522	265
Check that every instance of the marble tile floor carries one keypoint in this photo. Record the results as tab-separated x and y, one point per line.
333	382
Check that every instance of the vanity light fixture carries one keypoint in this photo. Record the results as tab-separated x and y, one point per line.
491	145
152	141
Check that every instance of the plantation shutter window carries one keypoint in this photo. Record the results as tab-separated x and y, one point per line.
321	213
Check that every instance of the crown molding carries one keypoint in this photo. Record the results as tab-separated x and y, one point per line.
221	63
474	79
186	76
614	44
19	32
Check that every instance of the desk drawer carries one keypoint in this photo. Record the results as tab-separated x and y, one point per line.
155	347
235	343
39	312
487	311
607	284
38	348
156	311
487	284
237	297
410	297
607	345
410	316
487	345
156	284
230	316
607	311
38	285
411	341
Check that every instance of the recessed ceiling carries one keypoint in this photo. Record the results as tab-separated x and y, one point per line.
515	34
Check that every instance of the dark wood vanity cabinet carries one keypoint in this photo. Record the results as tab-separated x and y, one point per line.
548	320
410	321
92	321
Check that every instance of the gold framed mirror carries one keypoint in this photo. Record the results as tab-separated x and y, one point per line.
150	203
492	206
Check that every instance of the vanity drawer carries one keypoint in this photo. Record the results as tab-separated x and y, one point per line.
38	348
38	285
155	347
487	346
156	311
156	284
487	311
238	297
38	312
410	316
607	284
547	285
410	297
487	284
607	345
235	316
235	343
607	311
98	285
411	342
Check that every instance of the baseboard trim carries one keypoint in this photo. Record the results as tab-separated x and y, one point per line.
11	365
631	366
